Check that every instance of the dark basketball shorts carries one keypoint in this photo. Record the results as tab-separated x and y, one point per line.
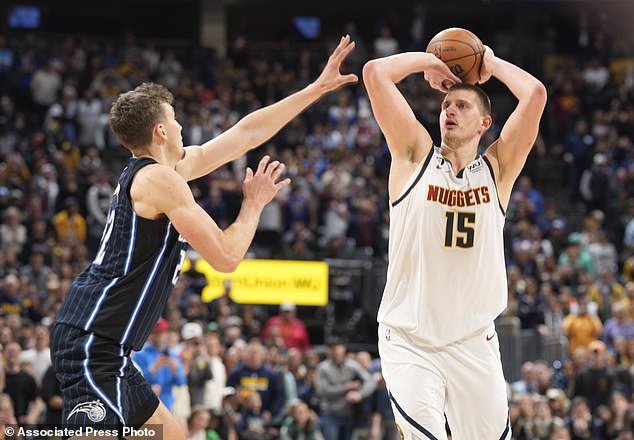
101	388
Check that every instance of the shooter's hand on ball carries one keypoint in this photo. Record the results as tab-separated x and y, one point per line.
438	74
488	62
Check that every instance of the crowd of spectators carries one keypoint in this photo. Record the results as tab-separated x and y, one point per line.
228	370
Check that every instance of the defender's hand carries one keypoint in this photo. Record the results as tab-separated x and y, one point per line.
262	186
331	79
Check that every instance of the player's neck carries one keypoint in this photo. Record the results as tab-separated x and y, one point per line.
460	155
158	153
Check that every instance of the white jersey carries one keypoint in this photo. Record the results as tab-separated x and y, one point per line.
446	277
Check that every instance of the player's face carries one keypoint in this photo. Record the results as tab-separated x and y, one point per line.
461	118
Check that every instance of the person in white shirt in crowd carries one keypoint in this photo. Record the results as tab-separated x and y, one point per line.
40	355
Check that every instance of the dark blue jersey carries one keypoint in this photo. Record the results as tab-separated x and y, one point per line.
123	292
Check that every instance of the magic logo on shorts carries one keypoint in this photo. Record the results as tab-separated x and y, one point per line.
95	410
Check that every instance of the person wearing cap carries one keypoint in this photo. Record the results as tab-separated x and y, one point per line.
292	329
595	381
342	384
195	361
159	365
558	402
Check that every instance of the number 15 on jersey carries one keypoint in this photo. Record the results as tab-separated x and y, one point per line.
460	229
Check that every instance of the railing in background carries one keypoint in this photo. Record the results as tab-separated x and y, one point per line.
518	346
356	287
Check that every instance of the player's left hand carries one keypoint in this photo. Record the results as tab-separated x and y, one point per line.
331	79
437	73
486	69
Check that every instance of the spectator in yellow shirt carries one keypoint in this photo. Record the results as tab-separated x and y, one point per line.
581	328
70	225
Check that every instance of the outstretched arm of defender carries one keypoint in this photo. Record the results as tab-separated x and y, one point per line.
520	131
166	192
259	126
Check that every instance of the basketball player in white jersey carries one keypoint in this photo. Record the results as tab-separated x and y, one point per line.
446	279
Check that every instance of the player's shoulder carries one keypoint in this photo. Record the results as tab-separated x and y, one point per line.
155	174
155	184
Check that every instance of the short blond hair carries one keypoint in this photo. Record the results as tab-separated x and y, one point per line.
135	113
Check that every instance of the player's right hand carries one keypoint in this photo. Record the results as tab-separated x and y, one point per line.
438	75
331	78
262	186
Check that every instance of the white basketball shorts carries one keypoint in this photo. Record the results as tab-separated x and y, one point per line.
463	381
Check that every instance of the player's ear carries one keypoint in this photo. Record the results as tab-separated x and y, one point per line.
159	130
487	121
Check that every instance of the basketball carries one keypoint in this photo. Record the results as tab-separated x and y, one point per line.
461	50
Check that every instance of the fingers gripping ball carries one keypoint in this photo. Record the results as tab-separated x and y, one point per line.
461	50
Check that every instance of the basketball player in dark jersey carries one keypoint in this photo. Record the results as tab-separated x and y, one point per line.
113	305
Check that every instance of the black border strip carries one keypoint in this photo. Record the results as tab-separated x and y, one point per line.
420	174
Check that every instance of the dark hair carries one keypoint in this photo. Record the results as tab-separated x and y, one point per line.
334	340
135	113
580	400
483	99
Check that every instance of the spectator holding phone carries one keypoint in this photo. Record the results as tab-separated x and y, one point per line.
162	368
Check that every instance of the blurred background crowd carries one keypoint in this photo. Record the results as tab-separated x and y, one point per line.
242	371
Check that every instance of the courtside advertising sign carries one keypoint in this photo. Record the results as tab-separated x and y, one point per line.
304	283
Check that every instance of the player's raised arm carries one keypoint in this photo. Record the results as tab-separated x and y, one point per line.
406	137
259	126
520	130
223	250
